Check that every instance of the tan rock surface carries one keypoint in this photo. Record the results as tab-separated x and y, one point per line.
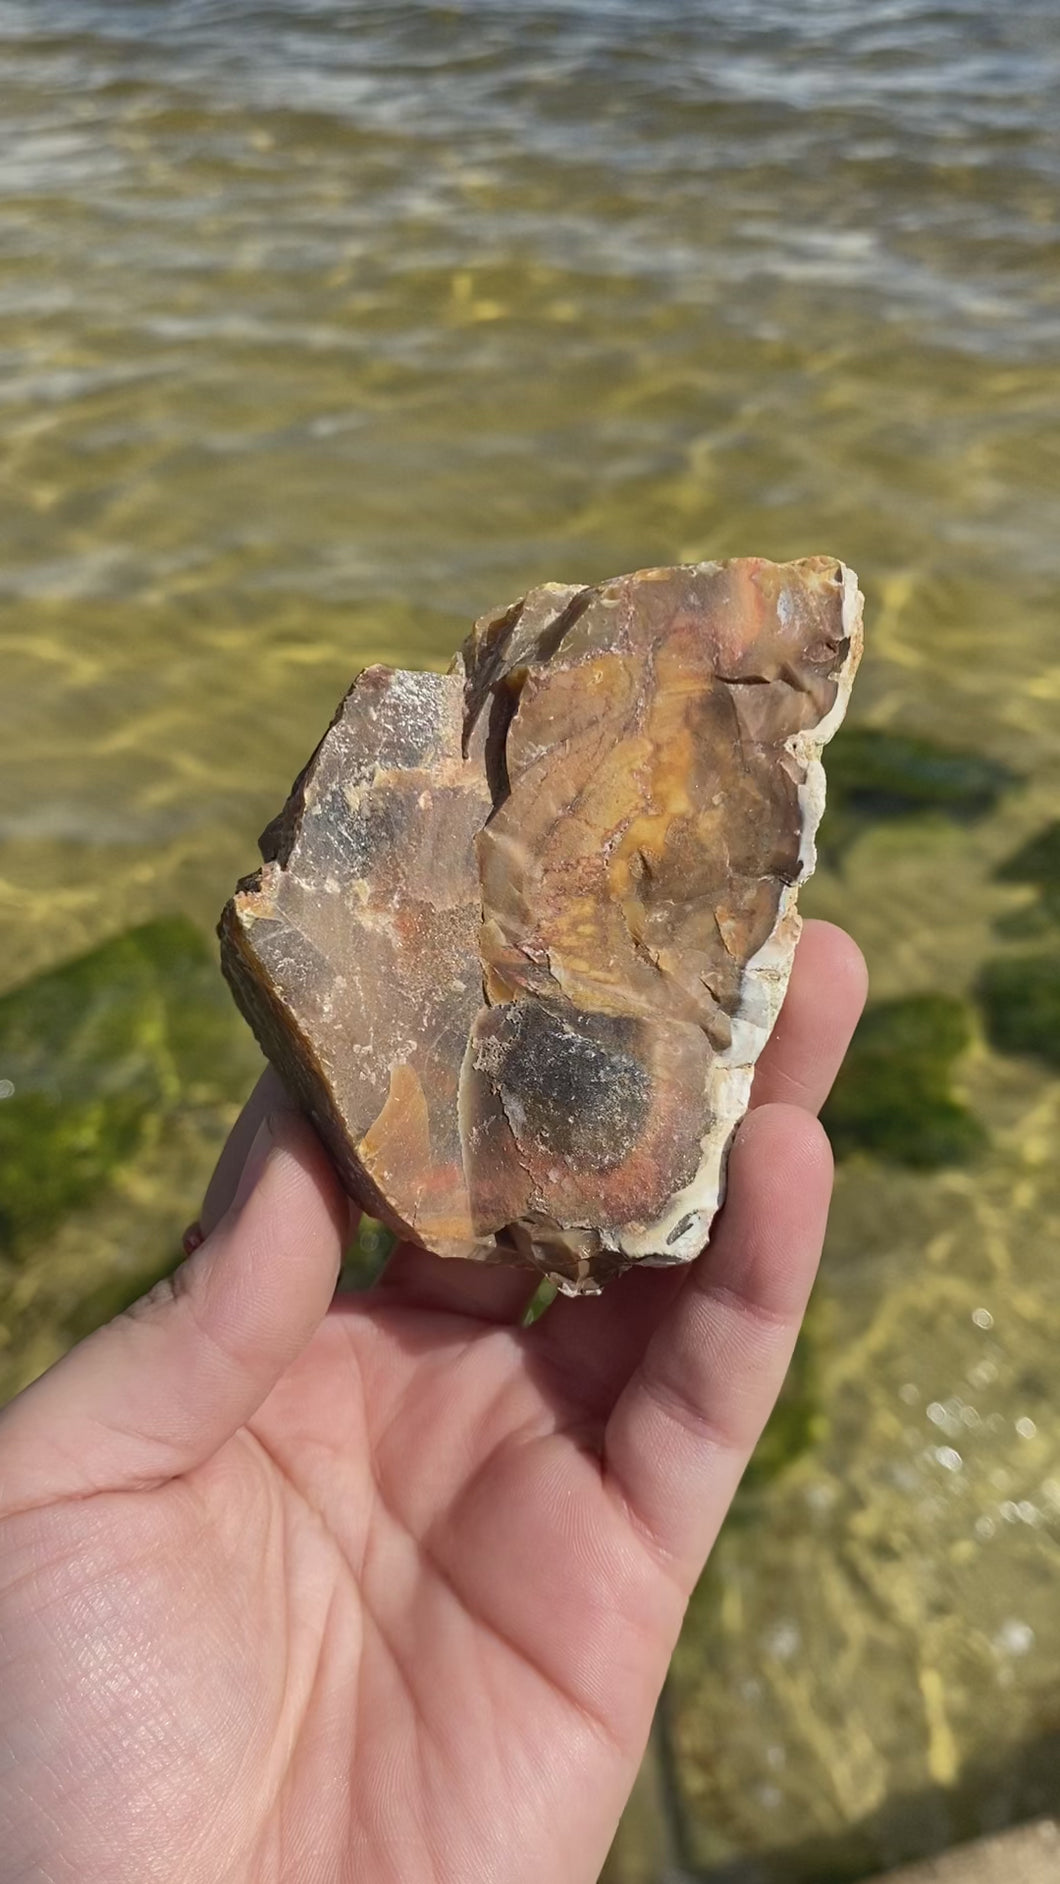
1028	1855
522	929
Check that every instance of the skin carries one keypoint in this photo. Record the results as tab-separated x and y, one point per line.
385	1589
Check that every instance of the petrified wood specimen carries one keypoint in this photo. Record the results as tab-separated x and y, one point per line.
522	929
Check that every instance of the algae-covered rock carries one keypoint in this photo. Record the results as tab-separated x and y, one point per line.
876	776
1036	863
1020	999
94	1054
122	1070
893	1097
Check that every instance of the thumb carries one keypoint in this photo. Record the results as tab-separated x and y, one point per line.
163	1386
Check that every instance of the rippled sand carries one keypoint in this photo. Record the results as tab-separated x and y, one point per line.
323	329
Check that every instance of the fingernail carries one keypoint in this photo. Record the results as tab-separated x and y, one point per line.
260	1146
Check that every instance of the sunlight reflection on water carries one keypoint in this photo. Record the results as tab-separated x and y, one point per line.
325	327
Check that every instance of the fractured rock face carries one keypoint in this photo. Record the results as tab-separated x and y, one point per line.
522	929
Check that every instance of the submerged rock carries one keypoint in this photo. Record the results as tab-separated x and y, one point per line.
1035	863
876	776
894	1094
522	929
120	1072
96	1056
1020	999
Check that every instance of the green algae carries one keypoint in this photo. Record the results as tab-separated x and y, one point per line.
118	1292
540	1302
55	1154
795	1424
367	1255
876	776
893	1097
123	1069
1035	863
1020	1000
97	1052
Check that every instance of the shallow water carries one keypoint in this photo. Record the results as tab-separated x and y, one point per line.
324	327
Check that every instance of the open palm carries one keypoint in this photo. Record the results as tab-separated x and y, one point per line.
386	1592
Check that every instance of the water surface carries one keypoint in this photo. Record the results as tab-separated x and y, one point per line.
324	327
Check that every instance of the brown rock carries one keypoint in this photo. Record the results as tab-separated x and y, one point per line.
522	929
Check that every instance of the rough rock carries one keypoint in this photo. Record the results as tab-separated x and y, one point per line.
522	929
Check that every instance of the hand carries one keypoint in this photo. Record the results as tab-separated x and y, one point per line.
385	1593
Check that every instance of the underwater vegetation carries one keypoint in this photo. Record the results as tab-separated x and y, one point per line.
129	1053
1037	862
1020	999
894	1097
795	1424
1019	993
366	1255
876	776
95	1054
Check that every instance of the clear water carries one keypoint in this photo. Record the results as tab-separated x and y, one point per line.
324	327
